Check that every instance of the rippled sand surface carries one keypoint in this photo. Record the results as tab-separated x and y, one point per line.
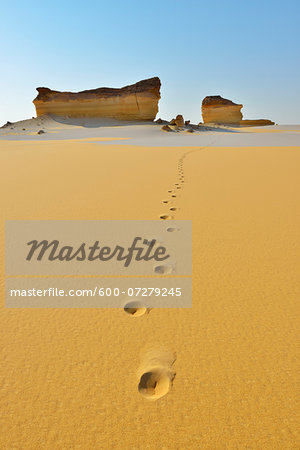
223	374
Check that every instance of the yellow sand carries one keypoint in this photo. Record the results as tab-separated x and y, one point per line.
69	377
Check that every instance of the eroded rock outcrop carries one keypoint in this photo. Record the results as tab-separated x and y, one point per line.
216	109
135	102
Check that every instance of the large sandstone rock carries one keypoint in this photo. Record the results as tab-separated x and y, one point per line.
135	102
216	109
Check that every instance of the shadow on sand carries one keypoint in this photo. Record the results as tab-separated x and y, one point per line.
98	122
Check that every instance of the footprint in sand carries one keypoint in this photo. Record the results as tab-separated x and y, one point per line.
174	209
156	373
135	308
166	217
163	269
172	230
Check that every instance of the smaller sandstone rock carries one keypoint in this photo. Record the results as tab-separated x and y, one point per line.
179	120
172	122
166	128
187	122
41	132
23	129
216	109
159	120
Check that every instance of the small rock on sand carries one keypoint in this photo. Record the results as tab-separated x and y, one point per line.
7	124
179	121
41	132
166	128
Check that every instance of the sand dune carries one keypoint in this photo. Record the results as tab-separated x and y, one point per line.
223	374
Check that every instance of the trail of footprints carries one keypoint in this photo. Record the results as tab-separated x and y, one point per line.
174	192
156	372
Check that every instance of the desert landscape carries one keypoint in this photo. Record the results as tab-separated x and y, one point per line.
220	375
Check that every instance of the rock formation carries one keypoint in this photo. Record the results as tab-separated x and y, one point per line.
135	102
216	109
179	121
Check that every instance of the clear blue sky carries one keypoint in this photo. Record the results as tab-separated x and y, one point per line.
247	51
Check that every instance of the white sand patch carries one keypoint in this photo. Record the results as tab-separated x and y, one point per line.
148	133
